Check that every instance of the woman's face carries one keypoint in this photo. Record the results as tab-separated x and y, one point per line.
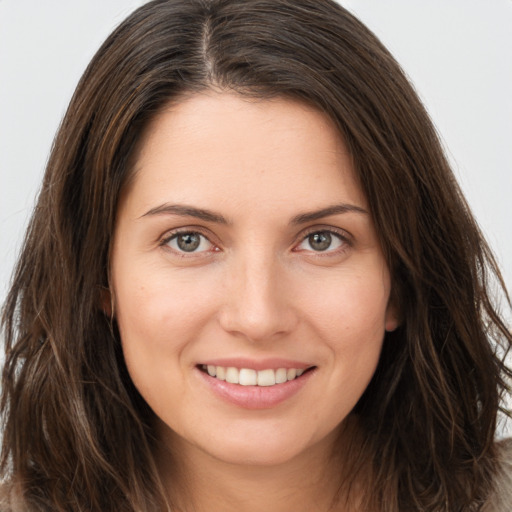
249	287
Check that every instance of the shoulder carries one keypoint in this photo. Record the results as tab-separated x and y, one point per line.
5	497
9	500
502	496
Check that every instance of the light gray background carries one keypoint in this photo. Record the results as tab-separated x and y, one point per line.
458	54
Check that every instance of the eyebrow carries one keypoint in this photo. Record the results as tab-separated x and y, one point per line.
210	216
325	212
186	211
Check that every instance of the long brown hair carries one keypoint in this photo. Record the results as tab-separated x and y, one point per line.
78	436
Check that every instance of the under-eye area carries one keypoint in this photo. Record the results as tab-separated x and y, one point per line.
250	377
188	242
327	241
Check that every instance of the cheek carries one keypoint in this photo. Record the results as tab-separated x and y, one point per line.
349	318
159	318
162	302
348	305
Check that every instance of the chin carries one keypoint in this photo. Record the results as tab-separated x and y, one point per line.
268	445
258	453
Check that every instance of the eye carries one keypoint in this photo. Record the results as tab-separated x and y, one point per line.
322	241
189	242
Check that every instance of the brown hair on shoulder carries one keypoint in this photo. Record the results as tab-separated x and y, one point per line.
78	436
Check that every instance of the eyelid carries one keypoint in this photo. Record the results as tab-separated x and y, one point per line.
343	235
169	235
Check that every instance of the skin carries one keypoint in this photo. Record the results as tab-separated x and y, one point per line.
255	288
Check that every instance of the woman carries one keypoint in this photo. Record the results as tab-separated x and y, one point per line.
251	281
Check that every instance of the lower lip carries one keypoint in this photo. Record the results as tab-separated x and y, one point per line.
255	397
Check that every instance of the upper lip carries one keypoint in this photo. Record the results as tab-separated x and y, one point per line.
256	364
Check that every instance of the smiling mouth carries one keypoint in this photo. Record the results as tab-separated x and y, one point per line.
250	377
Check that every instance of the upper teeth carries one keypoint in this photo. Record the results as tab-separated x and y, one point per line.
249	377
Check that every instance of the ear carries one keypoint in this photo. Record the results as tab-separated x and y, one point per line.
106	301
392	319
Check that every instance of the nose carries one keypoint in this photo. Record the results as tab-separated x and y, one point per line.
258	303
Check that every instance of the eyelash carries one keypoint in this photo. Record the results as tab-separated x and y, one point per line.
342	236
190	231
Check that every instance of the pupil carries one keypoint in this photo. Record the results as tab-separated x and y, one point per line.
188	242
320	241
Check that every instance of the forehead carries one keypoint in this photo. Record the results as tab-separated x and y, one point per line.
219	147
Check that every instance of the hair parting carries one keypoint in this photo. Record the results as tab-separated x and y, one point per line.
77	434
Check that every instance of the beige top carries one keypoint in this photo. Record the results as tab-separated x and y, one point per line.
500	501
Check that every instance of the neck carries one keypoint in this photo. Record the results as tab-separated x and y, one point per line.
202	483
